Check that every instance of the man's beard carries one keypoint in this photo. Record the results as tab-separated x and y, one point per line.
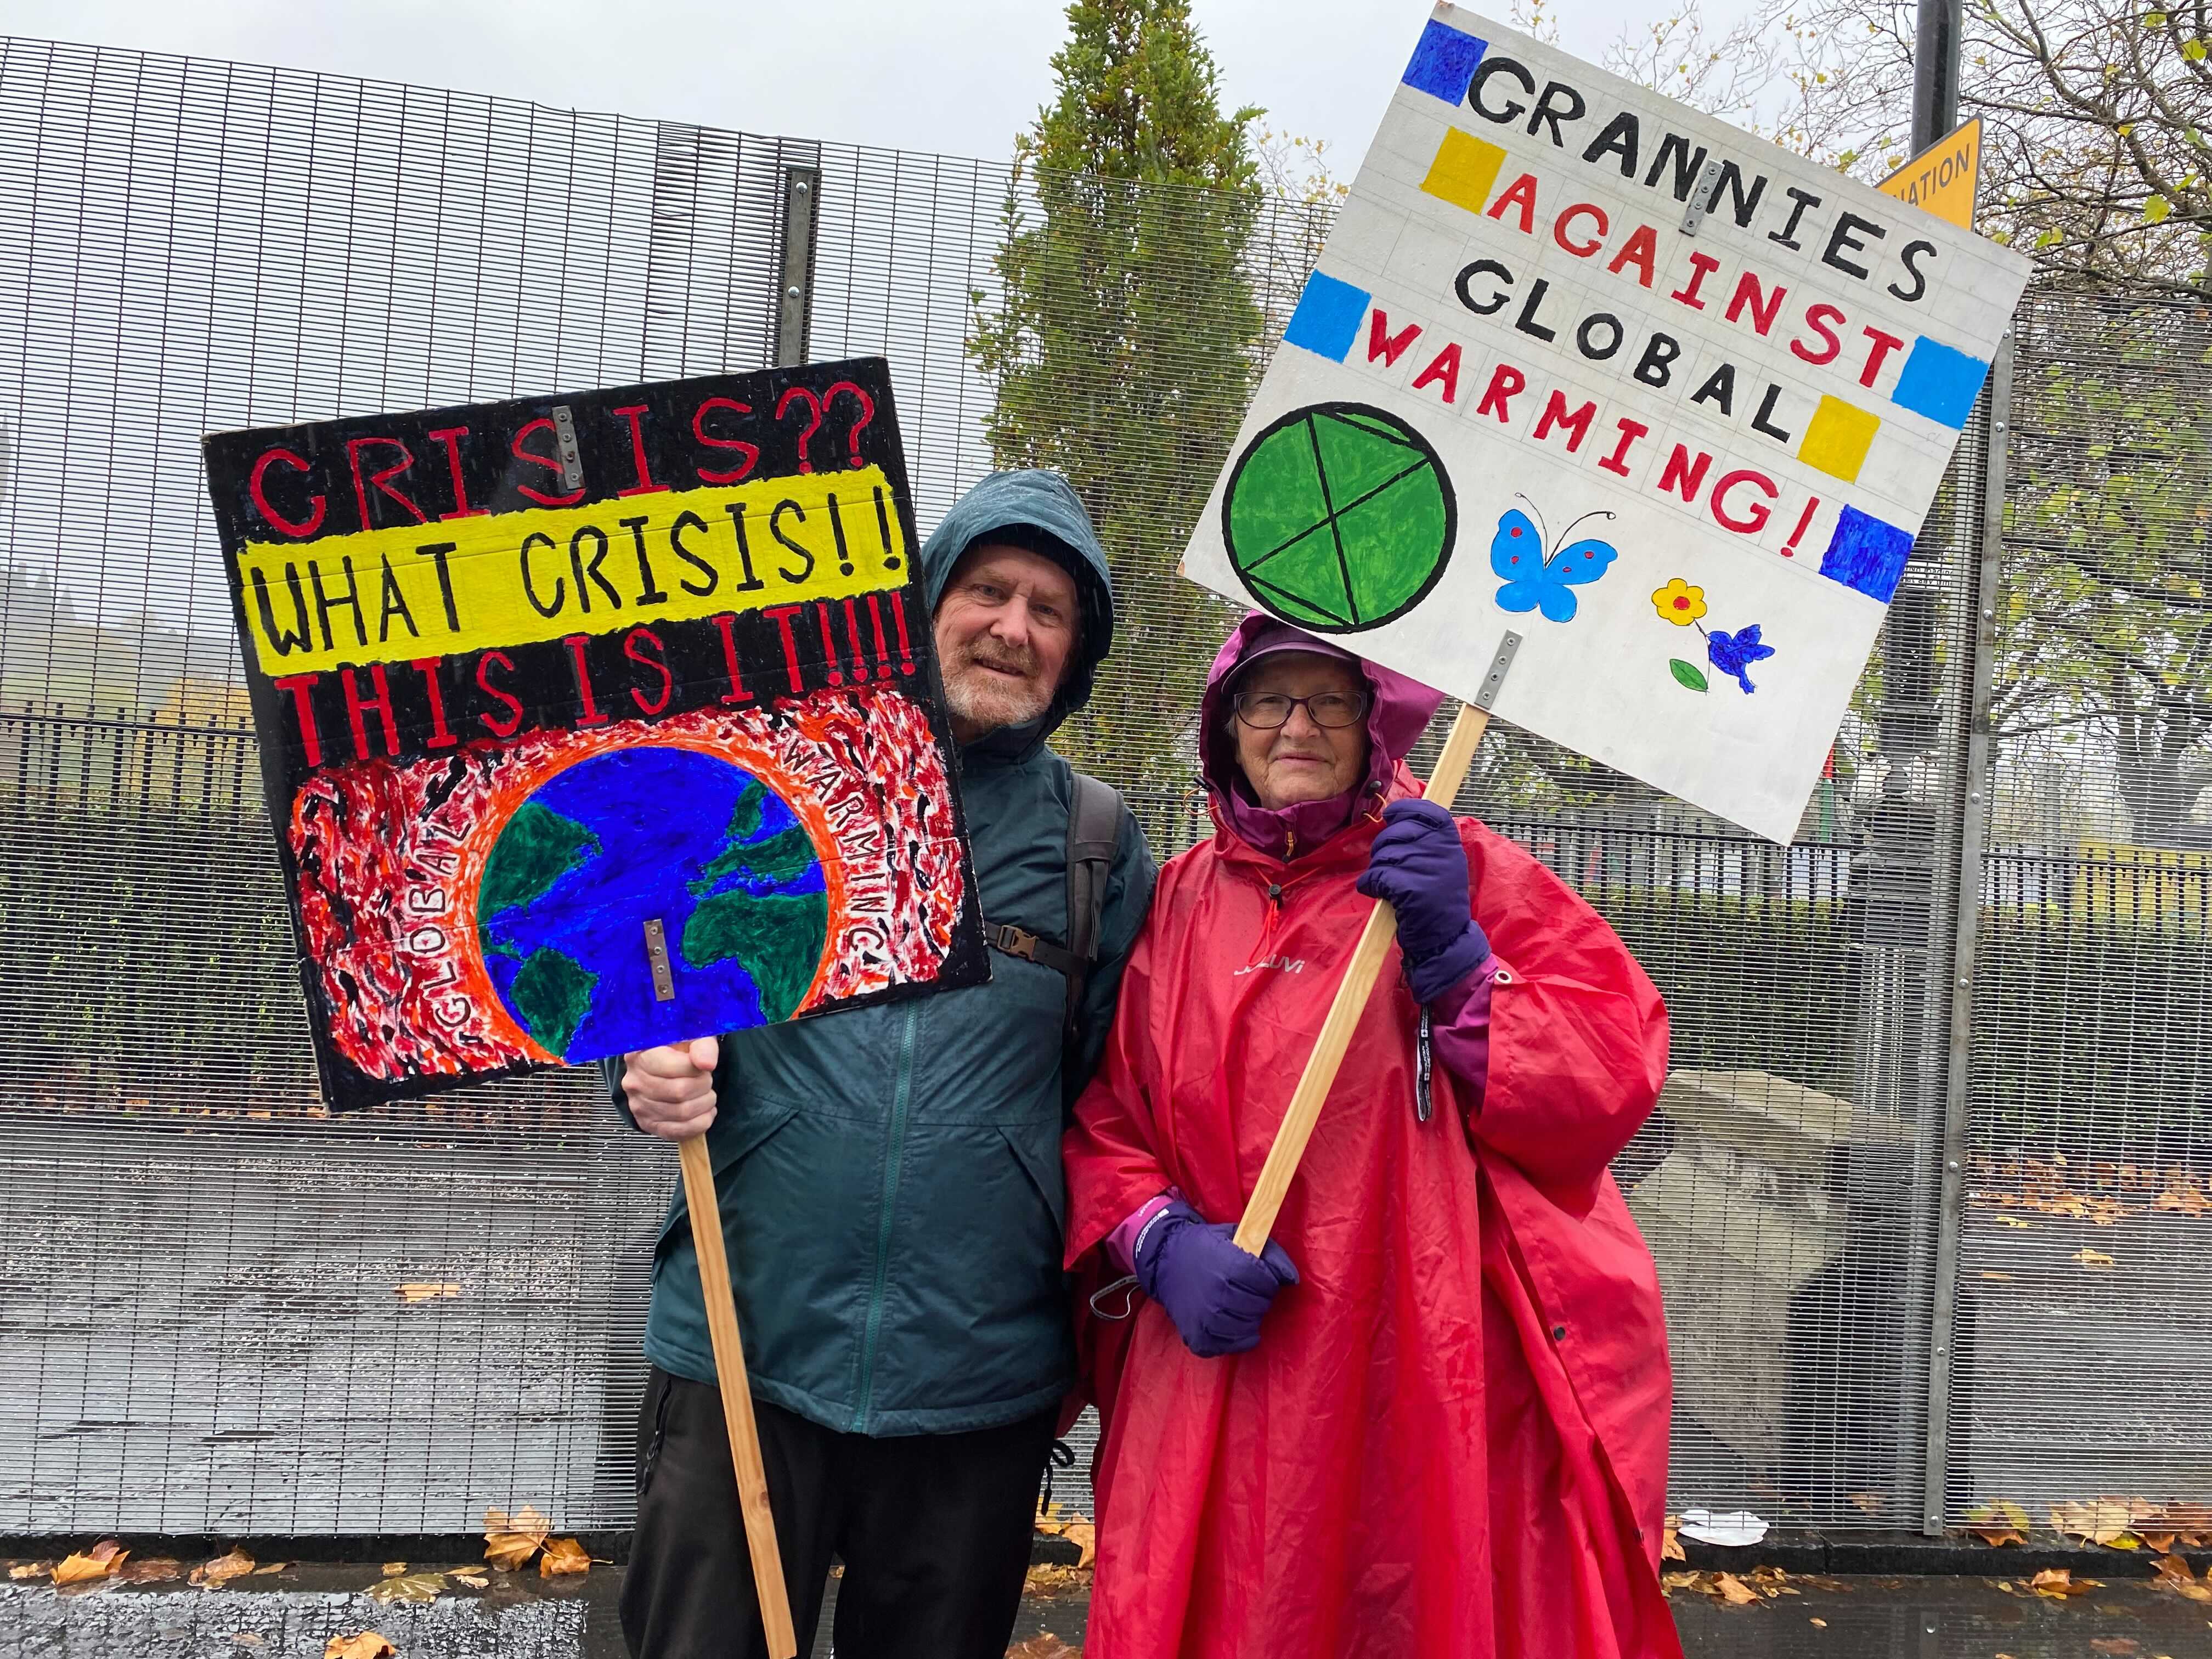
989	700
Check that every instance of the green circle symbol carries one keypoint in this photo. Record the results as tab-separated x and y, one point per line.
1339	517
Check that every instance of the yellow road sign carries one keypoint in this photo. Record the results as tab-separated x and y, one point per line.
1942	177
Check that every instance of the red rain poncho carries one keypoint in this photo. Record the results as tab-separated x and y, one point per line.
1452	1437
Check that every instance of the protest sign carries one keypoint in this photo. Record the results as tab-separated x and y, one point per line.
1583	363
596	721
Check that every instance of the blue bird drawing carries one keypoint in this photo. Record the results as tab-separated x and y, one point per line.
1732	653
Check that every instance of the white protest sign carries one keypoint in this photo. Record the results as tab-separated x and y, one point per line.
1685	455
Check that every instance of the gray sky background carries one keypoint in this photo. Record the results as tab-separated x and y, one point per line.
960	76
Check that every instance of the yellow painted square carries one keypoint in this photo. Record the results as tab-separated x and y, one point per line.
1464	170
1837	438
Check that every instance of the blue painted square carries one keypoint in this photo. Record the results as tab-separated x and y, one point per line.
1444	63
1326	321
1941	382
1866	553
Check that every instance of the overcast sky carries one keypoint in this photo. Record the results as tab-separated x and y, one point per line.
959	76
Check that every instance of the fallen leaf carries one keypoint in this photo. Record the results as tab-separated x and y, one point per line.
222	1569
2114	1644
271	1568
365	1644
1998	1278
393	1568
1054	1578
2002	1523
1733	1591
1818	1624
1044	1647
1869	1503
511	1540
2172	1572
1670	1547
1084	1536
98	1562
2059	1582
154	1570
473	1580
31	1570
424	1289
407	1587
563	1555
2161	1542
2089	1258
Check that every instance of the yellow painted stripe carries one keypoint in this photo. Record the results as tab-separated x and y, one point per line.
465	585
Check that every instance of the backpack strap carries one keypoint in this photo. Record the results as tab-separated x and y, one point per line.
1093	834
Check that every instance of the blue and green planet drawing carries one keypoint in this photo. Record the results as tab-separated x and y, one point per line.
635	835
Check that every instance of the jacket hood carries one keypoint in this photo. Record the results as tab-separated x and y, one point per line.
1398	712
1038	509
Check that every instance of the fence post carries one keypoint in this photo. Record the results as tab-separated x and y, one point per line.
1972	806
794	291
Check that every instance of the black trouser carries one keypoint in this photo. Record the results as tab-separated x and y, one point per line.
933	1530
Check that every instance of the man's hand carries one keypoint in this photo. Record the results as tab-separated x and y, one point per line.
671	1089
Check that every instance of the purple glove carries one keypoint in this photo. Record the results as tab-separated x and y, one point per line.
1419	866
1213	1291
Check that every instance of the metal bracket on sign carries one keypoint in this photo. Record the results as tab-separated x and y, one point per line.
572	457
1498	664
656	953
1701	198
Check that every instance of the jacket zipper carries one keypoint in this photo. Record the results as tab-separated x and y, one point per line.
894	1153
1267	928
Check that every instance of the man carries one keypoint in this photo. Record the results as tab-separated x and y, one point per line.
890	1186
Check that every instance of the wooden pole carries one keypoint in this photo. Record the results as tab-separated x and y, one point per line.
1352	991
737	1397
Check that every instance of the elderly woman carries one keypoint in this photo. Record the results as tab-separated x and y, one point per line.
1432	1417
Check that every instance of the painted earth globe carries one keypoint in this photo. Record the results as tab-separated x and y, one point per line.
619	840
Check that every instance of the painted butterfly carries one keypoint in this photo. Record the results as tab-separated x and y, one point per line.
1534	581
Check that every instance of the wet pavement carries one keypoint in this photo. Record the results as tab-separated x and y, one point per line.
294	1615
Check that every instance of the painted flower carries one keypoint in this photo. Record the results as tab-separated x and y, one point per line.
1678	603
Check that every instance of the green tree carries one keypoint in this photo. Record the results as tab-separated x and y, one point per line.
1125	341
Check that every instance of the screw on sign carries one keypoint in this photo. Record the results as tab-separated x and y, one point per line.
1339	517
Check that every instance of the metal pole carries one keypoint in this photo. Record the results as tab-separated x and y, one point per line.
1935	72
1973	804
794	294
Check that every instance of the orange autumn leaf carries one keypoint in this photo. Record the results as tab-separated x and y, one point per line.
362	1645
223	1568
1670	1547
2059	1582
511	1540
1734	1591
98	1562
563	1555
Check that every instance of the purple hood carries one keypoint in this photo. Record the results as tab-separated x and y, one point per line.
1399	713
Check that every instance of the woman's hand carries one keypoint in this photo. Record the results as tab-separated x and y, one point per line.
1419	866
1213	1291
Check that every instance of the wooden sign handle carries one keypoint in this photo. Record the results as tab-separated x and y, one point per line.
737	1397
1351	994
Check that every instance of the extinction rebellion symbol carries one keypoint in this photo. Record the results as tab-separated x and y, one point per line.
1339	517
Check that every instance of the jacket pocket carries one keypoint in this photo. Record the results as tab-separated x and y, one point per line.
653	1427
1036	1147
738	1131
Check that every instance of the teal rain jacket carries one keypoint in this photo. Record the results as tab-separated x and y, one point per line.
890	1176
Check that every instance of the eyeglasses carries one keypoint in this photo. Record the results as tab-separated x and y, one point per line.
1266	710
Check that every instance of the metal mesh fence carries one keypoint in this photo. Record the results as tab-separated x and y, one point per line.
226	1311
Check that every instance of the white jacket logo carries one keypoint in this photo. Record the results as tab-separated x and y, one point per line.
1287	964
